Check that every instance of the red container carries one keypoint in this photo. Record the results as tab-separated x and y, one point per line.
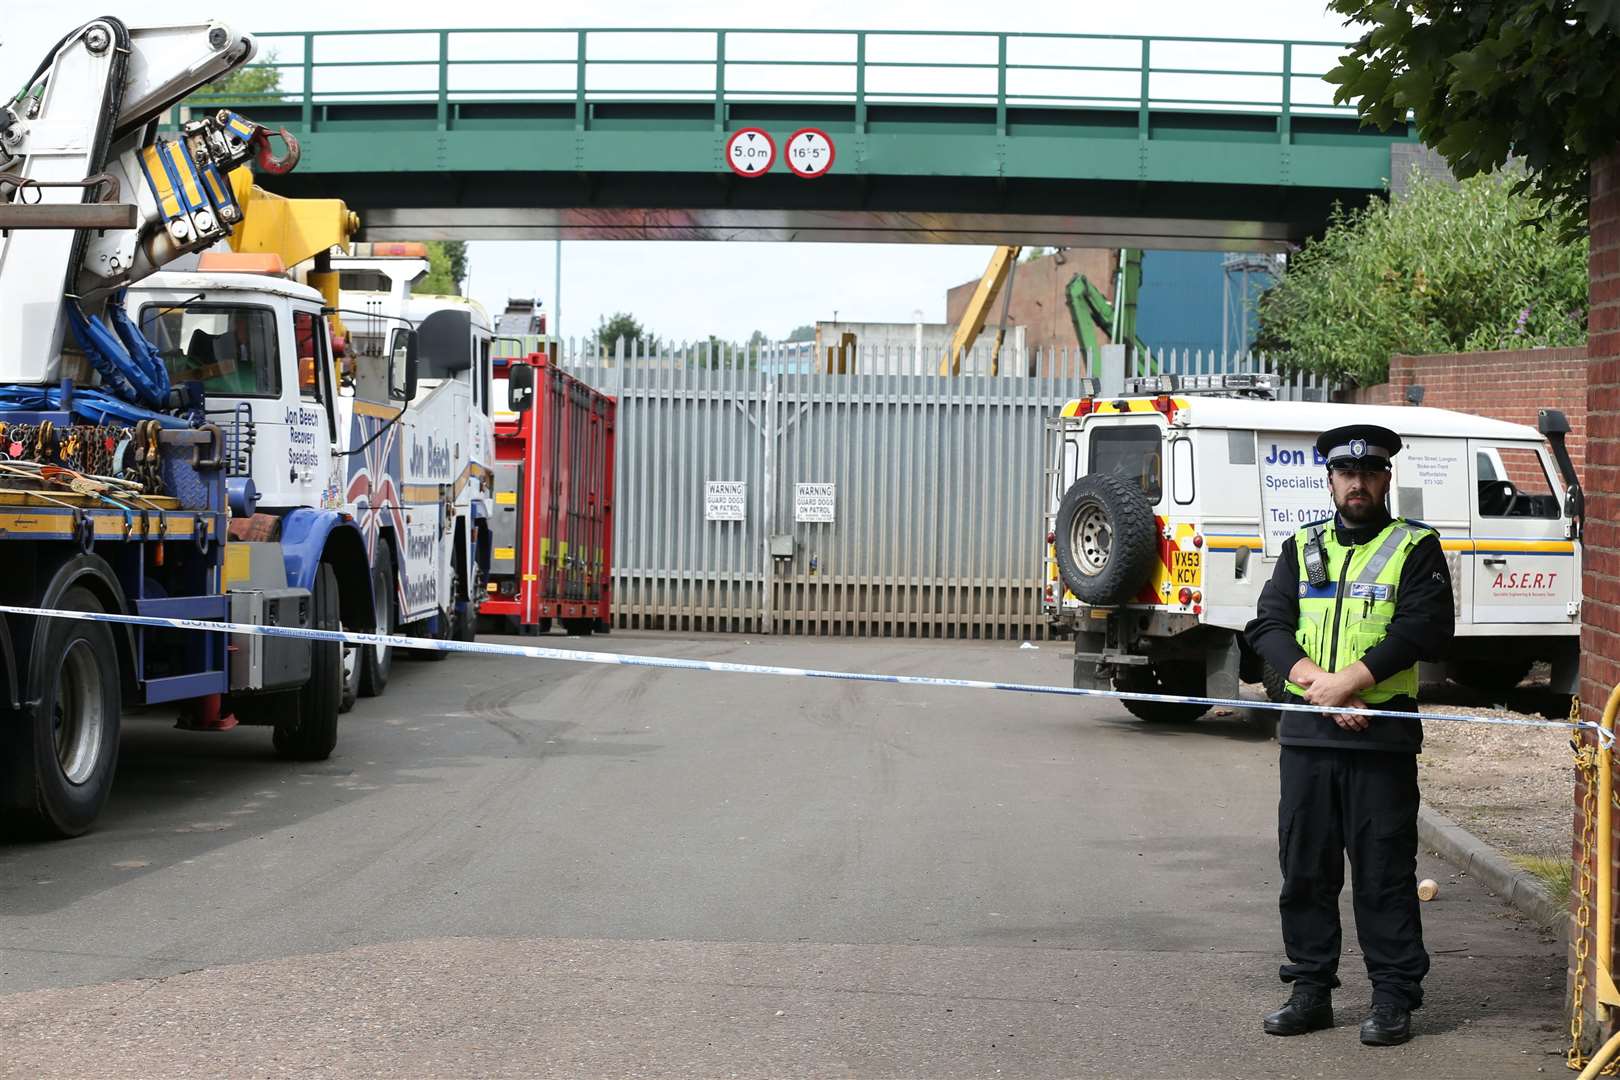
552	532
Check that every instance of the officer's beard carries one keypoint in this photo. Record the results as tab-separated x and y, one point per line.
1358	507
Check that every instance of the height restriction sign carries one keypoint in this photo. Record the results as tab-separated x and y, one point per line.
809	152
750	152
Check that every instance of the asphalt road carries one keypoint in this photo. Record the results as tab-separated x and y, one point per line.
537	869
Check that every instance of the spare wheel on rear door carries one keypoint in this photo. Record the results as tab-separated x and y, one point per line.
1107	539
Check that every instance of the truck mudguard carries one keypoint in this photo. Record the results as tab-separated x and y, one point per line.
310	537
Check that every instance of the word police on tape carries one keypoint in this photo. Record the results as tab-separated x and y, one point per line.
577	656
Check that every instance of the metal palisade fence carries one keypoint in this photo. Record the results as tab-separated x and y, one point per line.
755	494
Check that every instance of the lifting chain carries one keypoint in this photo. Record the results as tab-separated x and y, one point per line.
85	448
1586	763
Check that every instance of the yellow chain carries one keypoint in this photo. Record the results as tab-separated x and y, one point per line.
1586	760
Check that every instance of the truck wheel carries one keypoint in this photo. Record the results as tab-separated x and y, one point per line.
377	661
351	678
1275	682
1146	680
1106	539
579	627
463	622
308	732
59	757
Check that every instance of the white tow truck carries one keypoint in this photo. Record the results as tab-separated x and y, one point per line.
1168	507
450	438
402	457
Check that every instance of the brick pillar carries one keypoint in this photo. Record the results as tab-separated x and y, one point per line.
1600	630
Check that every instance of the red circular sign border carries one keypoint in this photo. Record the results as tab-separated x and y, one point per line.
769	165
832	153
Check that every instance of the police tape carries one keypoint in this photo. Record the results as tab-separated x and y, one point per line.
579	656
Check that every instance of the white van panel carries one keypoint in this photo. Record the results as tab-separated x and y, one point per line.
1293	486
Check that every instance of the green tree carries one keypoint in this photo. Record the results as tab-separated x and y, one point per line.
623	324
447	263
255	83
1443	269
806	332
1535	80
718	353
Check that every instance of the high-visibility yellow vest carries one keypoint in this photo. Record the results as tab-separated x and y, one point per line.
1340	621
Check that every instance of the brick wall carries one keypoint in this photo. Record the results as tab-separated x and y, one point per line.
1600	632
1040	297
1508	385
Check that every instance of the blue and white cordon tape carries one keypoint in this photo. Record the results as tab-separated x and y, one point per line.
578	656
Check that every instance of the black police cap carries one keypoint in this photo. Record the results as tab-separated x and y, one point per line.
1361	444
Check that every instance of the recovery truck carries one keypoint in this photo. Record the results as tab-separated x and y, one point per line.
428	486
116	493
404	461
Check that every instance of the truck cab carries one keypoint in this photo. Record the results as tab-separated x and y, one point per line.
260	345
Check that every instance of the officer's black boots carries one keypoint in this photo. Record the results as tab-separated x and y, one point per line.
1310	1009
1387	1025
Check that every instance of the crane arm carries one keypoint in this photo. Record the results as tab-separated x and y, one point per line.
84	130
971	325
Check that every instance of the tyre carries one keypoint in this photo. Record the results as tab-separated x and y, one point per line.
463	620
1275	682
1146	680
1106	539
1492	674
59	756
351	678
308	731
1265	721
377	661
579	627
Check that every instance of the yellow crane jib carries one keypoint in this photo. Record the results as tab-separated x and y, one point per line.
298	230
971	324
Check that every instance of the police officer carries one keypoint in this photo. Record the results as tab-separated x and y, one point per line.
1356	601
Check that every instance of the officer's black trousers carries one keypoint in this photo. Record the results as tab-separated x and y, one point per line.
1363	802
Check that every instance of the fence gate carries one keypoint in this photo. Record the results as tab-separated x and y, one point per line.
752	500
754	496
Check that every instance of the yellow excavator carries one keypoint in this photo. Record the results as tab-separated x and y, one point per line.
1089	309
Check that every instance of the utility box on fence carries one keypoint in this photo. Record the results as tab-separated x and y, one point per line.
552	531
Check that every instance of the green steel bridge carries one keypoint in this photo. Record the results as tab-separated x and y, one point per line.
1087	140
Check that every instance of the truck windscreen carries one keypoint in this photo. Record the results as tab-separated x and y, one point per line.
1134	452
230	348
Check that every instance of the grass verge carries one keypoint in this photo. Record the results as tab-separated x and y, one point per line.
1554	873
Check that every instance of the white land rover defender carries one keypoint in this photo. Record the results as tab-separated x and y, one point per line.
1169	506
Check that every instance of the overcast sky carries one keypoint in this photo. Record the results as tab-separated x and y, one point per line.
689	290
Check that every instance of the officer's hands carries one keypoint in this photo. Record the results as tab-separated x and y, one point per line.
1350	721
1305	672
1342	688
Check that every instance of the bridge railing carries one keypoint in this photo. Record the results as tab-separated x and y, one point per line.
453	68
